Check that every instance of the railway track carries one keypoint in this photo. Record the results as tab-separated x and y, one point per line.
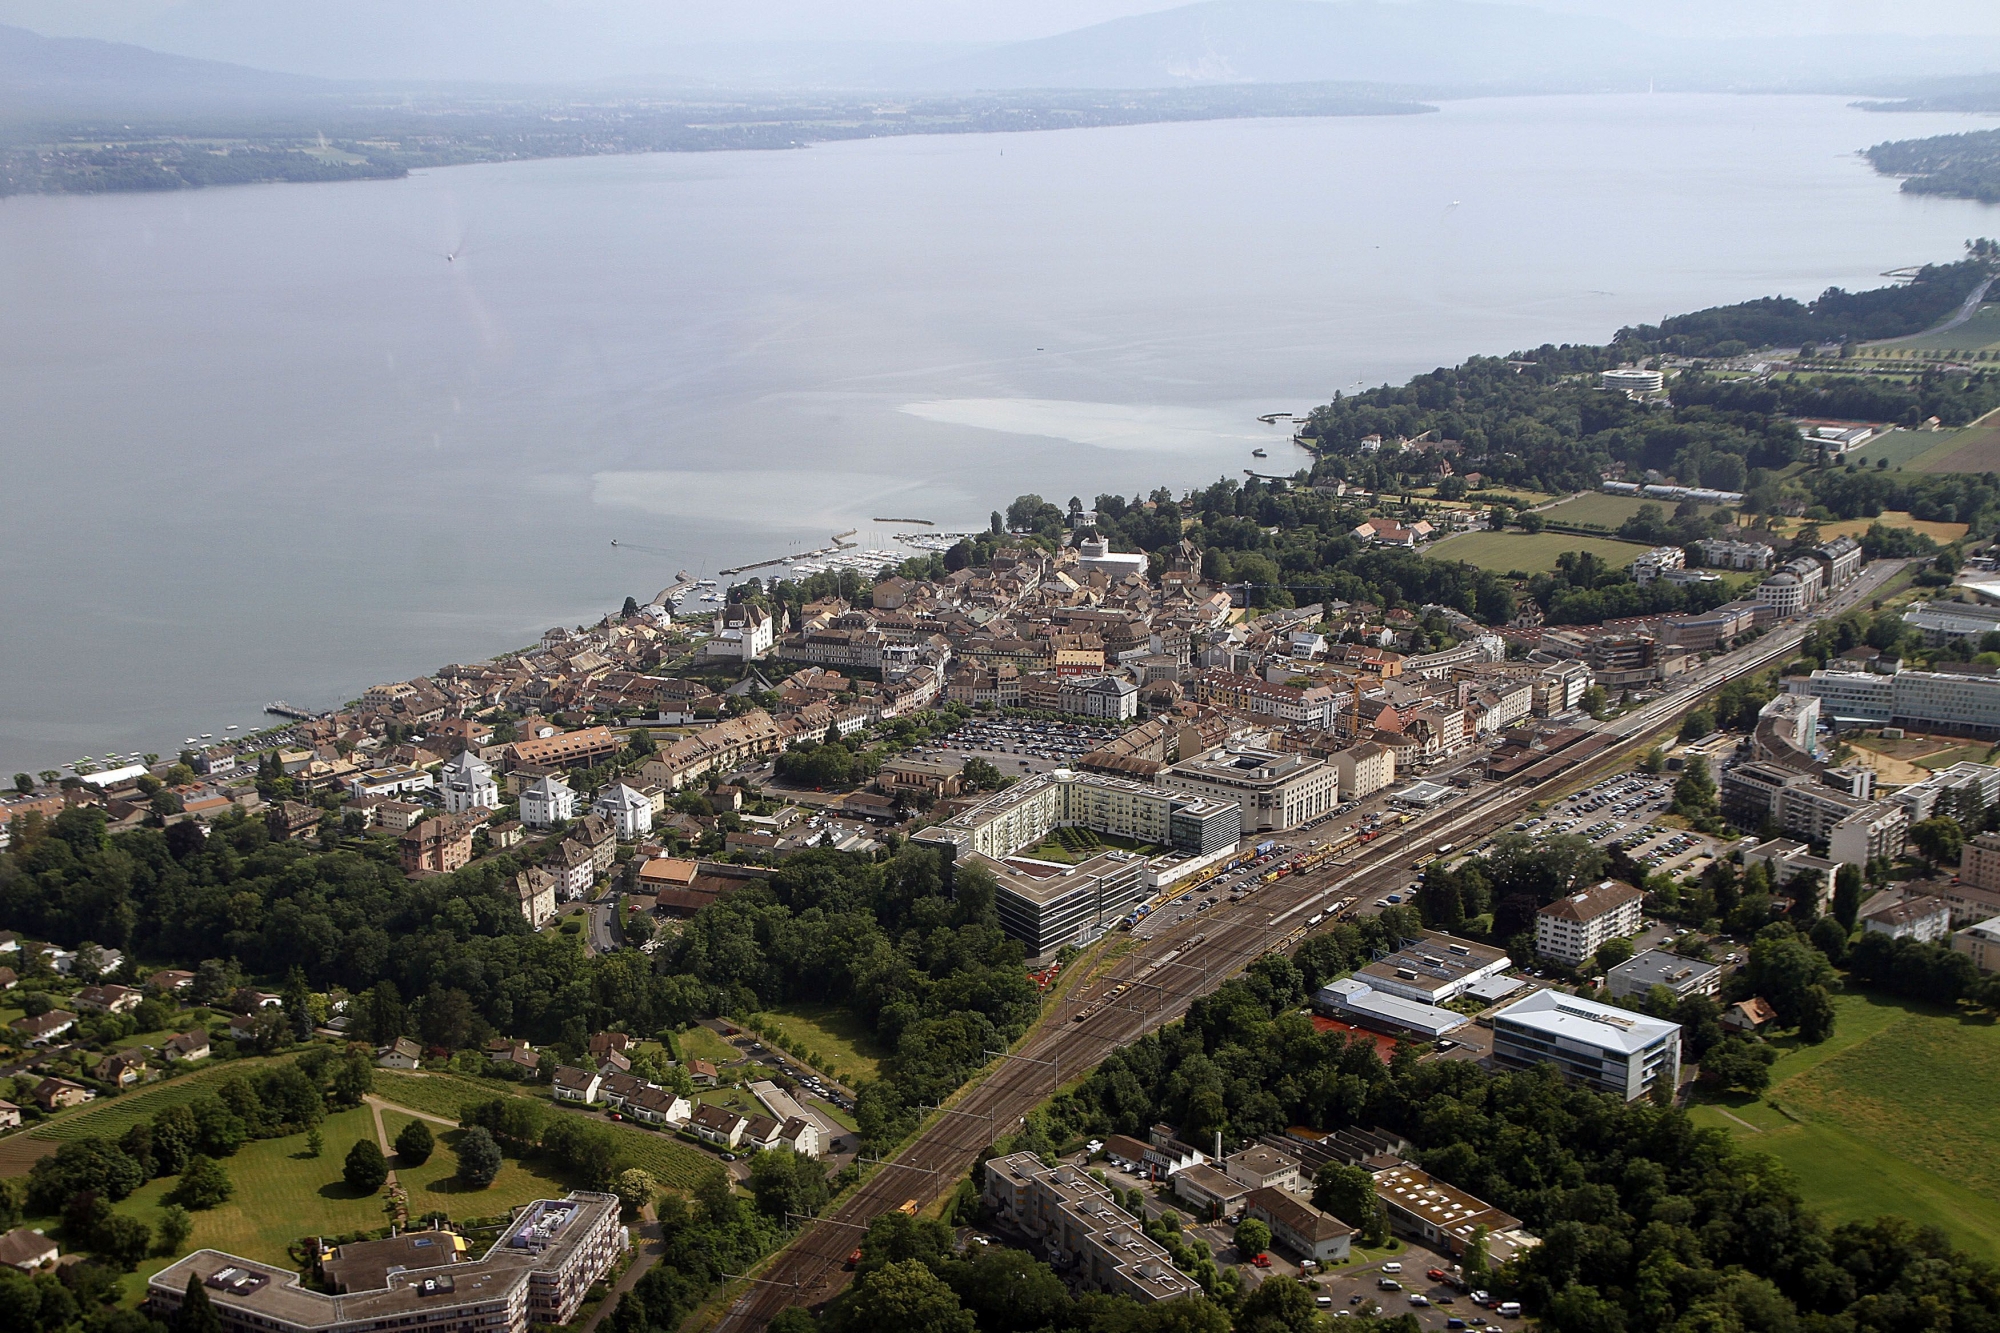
1155	983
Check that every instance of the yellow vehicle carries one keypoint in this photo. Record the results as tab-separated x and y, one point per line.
909	1208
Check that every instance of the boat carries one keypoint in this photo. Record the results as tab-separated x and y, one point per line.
1258	453
614	541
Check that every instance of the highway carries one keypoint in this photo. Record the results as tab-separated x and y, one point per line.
1162	975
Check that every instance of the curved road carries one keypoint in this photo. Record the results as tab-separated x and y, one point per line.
1164	974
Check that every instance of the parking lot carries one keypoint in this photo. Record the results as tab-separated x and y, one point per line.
1017	746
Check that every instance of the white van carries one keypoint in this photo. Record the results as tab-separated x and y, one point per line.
1509	1310
1393	1266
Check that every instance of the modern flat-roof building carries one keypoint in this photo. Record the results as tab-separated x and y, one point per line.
1082	1230
1435	968
1656	967
1046	903
1981	943
1612	1050
1571	928
1353	1000
538	1272
1274	791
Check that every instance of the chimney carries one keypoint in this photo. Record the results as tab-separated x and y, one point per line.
1218	1145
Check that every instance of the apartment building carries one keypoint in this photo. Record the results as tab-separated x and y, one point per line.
1081	1230
1981	943
1364	769
1602	1047
1785	594
549	801
1312	705
436	846
467	783
537	1272
1649	567
1571	928
1720	553
1299	1227
1979	863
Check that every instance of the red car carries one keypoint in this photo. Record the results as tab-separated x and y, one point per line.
1261	1260
1435	1275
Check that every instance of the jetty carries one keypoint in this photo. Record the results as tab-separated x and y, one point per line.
921	522
280	708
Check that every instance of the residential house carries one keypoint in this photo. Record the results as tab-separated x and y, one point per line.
44	1028
123	1069
27	1250
191	1045
714	1124
801	1135
573	868
659	1106
402	1053
576	1085
1746	1016
10	1115
760	1134
54	1094
702	1072
468	784
436	846
536	889
170	981
108	999
602	1043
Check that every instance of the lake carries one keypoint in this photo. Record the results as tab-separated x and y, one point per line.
267	442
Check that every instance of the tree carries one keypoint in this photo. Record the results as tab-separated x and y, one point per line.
1613	952
1830	938
175	1227
1847	894
1009	1291
24	783
1252	1237
635	1188
203	1184
197	1314
980	775
1348	1192
787	1184
414	1144
908	1297
1278	1305
123	1240
478	1157
1815	1017
1739	1062
365	1168
1938	839
315	1142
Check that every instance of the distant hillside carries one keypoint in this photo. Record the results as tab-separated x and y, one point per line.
1438	46
74	74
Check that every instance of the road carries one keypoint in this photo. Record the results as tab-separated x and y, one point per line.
1164	974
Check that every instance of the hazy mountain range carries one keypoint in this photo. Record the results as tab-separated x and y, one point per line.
1432	47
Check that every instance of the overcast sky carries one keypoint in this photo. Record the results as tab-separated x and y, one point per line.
927	20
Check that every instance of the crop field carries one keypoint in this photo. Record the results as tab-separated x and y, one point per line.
1941	533
438	1094
1905	448
108	1117
1529	553
1973	449
1890	1116
840	1039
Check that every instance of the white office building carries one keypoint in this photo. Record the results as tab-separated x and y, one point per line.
628	812
1783	593
468	784
549	801
1612	1050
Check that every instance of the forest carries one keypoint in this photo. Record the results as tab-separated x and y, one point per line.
1964	166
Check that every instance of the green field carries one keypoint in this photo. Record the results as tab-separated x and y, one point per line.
1981	332
699	1043
1503	552
1911	448
835	1035
282	1194
1608	511
1893	1115
670	1161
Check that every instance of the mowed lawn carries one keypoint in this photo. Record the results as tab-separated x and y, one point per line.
1608	511
1530	553
844	1045
1894	1115
1973	449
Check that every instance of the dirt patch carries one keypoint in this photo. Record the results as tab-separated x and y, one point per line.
1890	770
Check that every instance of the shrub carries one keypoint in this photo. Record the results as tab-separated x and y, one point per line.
203	1184
366	1168
478	1158
414	1144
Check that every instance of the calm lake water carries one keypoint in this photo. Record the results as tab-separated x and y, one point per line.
265	442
